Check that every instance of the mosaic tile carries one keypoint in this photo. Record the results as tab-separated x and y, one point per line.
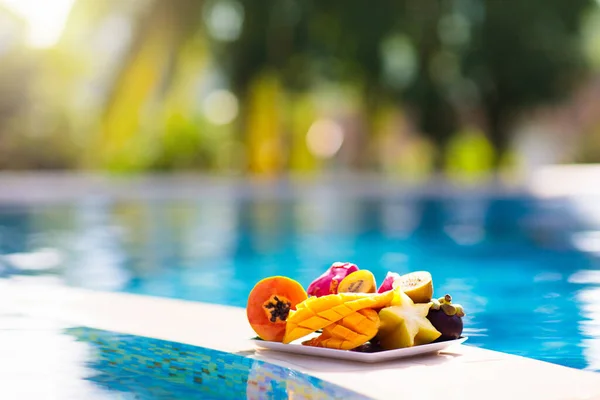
154	369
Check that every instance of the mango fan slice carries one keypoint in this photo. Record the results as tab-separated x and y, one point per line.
318	312
349	332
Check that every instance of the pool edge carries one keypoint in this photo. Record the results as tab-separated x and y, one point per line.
173	320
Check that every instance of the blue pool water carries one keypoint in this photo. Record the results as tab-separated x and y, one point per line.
526	270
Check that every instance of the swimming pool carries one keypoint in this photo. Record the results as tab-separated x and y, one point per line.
526	270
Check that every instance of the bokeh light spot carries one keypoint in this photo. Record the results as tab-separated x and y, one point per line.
224	19
325	138
45	19
220	107
399	60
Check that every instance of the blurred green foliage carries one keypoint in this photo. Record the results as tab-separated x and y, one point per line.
235	85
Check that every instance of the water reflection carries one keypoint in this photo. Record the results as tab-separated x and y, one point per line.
38	260
466	219
589	326
97	255
15	228
516	265
400	218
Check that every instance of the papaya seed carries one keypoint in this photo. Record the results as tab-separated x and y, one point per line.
277	308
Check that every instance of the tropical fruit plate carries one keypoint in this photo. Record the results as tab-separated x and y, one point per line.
344	314
360	356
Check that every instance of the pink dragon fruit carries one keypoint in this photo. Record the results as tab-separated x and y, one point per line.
388	282
328	282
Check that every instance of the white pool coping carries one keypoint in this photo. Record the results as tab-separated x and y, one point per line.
463	372
44	187
551	181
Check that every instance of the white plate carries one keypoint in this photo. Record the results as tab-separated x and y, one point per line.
386	355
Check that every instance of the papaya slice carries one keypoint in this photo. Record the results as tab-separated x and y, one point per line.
348	333
362	281
318	312
270	303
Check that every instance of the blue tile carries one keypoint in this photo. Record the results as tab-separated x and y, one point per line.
154	369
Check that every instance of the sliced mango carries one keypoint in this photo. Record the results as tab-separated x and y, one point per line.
349	332
318	312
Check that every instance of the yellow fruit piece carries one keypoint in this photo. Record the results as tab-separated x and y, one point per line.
318	312
405	324
349	332
417	285
362	281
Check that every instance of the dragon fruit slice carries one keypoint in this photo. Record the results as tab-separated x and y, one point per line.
388	282
328	282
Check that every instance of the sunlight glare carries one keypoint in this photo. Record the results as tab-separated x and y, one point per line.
46	19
